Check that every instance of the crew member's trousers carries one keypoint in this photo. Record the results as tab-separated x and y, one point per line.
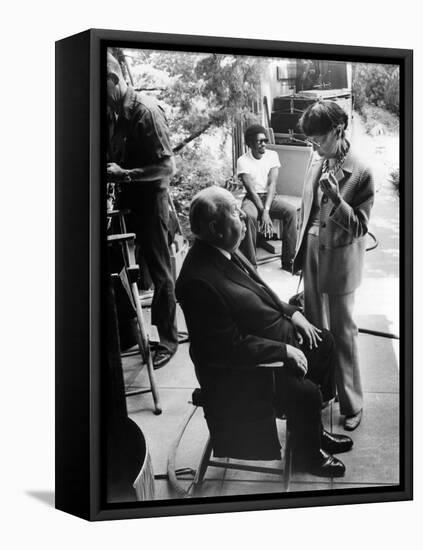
149	220
279	210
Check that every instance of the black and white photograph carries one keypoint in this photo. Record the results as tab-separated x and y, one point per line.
252	220
211	256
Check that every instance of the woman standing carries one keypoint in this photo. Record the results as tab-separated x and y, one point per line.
337	199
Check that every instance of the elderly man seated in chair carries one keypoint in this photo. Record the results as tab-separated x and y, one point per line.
238	327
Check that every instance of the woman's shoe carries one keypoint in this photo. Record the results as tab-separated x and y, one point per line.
352	421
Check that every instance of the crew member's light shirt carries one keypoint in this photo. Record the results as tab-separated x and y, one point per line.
258	169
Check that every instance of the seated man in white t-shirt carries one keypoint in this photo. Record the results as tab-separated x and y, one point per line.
258	170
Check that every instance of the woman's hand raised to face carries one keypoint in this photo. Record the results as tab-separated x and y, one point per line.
329	186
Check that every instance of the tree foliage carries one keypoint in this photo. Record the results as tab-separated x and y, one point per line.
201	91
203	94
376	85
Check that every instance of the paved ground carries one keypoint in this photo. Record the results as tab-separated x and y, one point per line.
373	460
375	457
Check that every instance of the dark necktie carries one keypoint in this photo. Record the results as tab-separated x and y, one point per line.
238	263
254	276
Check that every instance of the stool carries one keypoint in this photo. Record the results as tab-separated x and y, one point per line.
127	243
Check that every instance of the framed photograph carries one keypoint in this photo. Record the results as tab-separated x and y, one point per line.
233	274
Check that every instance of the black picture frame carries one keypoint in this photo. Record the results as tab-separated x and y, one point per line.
79	284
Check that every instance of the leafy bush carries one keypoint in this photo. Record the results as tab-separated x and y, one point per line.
395	180
204	162
182	191
376	118
376	85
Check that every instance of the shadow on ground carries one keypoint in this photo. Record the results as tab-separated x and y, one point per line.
46	497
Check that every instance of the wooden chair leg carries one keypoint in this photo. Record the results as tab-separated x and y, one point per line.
287	469
202	467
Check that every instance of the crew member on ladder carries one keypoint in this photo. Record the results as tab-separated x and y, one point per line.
141	160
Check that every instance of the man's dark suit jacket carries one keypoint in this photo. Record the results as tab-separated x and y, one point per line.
235	321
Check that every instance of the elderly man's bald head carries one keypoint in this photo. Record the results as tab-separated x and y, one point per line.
216	218
206	208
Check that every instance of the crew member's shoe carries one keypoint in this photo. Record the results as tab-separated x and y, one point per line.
162	358
352	421
335	443
327	465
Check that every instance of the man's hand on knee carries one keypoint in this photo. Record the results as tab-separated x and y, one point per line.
298	359
307	330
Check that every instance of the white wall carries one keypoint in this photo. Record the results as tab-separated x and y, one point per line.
27	301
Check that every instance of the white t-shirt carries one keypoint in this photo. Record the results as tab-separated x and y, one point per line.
258	169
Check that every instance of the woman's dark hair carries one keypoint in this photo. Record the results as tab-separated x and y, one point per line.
319	119
252	131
